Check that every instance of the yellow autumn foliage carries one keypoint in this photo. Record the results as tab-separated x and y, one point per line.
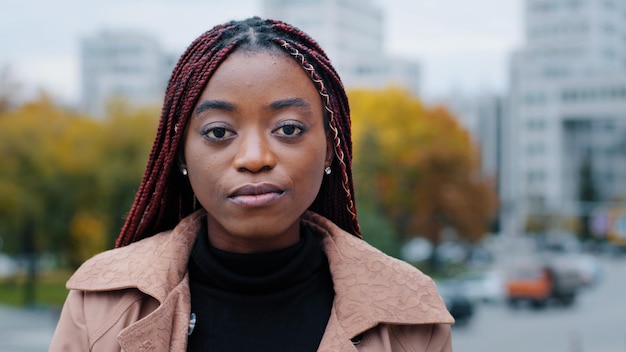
58	165
88	237
418	165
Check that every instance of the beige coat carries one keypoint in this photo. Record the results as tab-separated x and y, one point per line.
136	298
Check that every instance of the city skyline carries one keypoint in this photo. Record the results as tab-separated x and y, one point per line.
457	49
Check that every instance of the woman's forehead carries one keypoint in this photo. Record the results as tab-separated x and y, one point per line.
263	70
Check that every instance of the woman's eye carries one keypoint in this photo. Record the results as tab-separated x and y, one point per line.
217	133
289	130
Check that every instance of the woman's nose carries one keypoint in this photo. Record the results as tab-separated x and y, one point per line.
254	153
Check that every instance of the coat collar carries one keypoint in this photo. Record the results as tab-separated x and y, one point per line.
370	287
373	288
154	265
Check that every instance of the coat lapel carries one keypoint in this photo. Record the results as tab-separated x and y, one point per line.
157	266
163	330
154	265
335	338
372	288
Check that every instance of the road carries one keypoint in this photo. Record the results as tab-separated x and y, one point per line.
596	323
26	330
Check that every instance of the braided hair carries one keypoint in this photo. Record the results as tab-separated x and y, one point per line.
164	196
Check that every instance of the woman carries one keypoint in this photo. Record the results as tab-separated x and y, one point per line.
243	234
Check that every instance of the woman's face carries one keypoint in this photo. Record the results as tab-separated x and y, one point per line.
255	149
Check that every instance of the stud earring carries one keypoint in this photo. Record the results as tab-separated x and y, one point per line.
185	172
328	170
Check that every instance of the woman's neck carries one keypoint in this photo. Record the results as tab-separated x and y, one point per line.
253	240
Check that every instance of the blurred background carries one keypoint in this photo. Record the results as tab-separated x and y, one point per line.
489	138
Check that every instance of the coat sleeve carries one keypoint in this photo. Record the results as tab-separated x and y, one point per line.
407	338
71	332
92	321
426	338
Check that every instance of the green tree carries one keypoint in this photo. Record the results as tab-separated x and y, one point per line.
35	190
418	167
88	237
128	135
62	170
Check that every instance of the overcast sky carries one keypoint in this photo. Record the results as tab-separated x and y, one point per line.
462	45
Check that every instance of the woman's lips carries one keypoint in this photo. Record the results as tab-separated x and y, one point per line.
256	200
256	195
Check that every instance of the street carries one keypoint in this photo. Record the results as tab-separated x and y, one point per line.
26	330
595	323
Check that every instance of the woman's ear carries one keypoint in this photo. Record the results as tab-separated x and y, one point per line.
182	164
330	149
180	155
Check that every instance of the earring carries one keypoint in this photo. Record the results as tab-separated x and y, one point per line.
328	170
185	172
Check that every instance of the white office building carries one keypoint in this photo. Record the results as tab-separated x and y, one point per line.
481	115
351	33
123	64
567	103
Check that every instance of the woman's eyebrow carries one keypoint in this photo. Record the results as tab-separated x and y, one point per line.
213	104
289	102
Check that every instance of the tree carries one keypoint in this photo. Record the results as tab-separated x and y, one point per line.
128	133
49	156
419	167
68	176
88	237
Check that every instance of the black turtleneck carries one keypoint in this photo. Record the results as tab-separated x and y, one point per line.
275	301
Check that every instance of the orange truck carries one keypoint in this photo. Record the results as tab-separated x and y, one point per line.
540	283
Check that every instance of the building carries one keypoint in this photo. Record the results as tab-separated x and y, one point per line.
125	64
567	108
481	115
351	33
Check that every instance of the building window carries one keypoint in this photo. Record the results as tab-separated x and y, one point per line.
536	176
535	98
554	72
591	93
543	6
575	4
609	53
536	124
535	149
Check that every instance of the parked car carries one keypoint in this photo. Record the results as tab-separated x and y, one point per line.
539	283
588	267
484	286
459	305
